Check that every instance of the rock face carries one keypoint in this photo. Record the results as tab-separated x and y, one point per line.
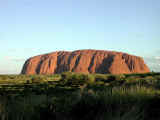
85	61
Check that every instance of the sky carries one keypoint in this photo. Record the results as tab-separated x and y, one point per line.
32	27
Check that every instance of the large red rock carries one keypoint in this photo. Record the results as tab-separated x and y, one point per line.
85	61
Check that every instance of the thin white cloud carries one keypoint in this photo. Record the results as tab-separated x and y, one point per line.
153	63
14	59
157	57
18	59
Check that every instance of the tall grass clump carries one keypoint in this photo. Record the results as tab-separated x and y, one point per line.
77	96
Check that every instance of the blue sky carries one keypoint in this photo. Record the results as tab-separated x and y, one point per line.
33	27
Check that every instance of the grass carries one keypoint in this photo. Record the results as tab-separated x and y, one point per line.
76	96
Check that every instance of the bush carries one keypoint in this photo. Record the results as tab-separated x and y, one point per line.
37	80
120	77
100	77
70	79
90	79
4	77
66	75
111	78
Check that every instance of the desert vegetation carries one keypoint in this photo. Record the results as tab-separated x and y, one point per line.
75	96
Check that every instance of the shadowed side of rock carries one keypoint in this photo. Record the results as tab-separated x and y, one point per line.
85	61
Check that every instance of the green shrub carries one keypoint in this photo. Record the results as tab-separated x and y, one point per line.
120	77
99	83
90	79
77	79
111	78
37	79
100	77
66	75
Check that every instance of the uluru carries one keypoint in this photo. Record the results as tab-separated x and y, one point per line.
85	61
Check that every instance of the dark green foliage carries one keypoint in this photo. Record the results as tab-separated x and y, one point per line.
72	79
75	96
101	77
37	80
152	109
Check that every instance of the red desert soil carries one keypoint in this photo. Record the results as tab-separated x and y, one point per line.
85	61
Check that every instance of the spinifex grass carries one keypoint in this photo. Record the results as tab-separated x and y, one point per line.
80	97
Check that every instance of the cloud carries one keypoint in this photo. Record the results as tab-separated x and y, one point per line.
18	60
14	59
153	63
11	65
157	57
